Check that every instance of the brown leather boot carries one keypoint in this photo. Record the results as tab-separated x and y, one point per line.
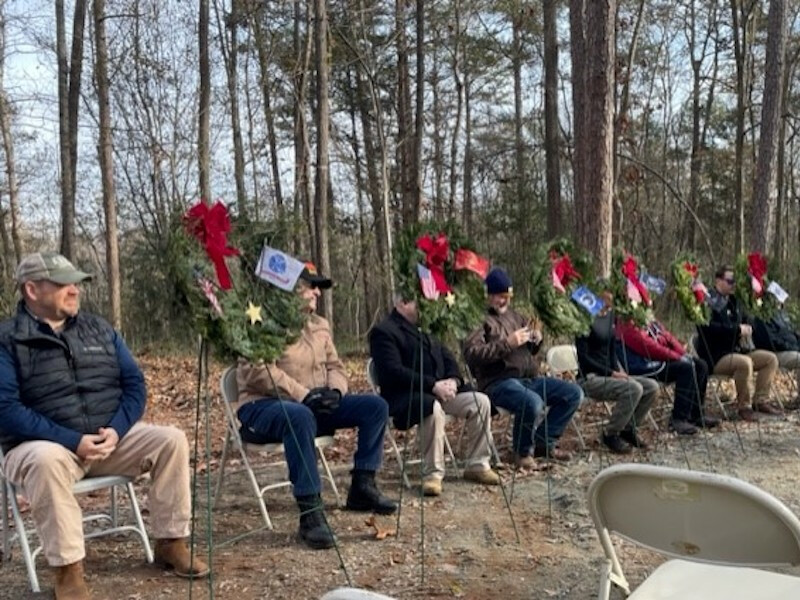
70	584
175	554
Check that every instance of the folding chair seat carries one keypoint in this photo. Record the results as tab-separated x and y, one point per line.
234	439
372	379
106	523
714	529
354	594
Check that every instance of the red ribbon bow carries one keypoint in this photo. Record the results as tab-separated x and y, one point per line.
210	226
467	259
436	252
630	270
562	273
690	268
757	267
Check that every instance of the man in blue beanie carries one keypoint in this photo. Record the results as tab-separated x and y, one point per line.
501	353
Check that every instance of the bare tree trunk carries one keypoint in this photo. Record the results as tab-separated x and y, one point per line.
419	117
302	194
8	144
457	65
204	113
551	129
469	225
405	143
69	86
764	190
321	179
741	50
105	147
230	54
577	9
521	209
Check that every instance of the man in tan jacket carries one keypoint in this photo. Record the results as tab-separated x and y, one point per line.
304	394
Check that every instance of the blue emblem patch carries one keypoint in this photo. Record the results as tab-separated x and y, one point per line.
277	263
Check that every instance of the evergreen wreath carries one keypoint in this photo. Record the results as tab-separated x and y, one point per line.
251	319
631	299
452	303
752	279
559	268
689	288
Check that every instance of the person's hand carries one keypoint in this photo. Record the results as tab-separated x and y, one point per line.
519	337
445	389
94	447
745	330
619	375
536	336
110	440
322	400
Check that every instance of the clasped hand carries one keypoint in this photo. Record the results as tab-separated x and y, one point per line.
323	400
445	389
523	336
97	446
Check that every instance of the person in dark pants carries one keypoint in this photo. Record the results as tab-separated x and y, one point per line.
501	354
779	335
652	351
304	394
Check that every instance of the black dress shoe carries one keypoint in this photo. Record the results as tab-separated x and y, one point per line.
682	427
634	440
616	444
705	422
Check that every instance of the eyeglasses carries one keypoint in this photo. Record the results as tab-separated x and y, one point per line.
730	281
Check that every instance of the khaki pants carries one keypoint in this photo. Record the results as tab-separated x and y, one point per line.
632	398
741	367
476	409
46	471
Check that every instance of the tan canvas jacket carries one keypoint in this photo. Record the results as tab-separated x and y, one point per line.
310	362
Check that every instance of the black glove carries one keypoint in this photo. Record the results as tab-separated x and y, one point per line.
322	400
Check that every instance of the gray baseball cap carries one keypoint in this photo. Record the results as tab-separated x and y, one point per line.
49	266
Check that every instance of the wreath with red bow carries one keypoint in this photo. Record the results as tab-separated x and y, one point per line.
438	267
752	281
631	298
690	290
559	268
238	313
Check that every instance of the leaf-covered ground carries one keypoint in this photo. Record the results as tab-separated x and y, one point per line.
461	545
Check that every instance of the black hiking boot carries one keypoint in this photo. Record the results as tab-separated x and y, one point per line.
314	529
616	444
365	496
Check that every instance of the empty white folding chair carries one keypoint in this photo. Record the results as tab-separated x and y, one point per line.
354	594
105	523
233	439
713	527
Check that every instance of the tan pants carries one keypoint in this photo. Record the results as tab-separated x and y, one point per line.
741	368
476	409
46	472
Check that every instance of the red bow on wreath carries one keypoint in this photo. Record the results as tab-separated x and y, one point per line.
757	267
630	270
436	252
697	286
210	226
562	272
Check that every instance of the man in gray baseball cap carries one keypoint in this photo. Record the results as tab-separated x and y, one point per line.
49	266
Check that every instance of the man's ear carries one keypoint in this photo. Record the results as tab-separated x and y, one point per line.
29	290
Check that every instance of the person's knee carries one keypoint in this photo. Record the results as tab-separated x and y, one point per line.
48	461
745	366
301	418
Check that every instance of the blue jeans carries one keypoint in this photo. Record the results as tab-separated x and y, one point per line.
295	426
526	399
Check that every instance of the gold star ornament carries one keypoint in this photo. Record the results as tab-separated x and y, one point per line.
450	299
253	313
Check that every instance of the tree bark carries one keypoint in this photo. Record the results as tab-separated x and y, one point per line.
105	148
321	179
764	189
551	128
8	148
204	112
302	194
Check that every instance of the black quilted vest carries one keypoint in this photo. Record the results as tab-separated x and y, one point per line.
71	377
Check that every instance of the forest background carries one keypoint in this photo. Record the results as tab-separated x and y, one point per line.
655	126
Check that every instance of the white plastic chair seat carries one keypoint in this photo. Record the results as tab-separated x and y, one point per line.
685	580
354	594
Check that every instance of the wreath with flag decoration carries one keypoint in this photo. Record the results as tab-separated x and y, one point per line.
752	281
237	312
559	269
438	267
631	298
689	288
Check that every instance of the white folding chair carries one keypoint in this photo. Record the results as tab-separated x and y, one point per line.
107	523
372	379
230	394
354	594
711	526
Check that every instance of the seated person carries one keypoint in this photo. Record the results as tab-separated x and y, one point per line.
501	353
394	345
603	378
71	397
727	344
304	393
778	335
652	351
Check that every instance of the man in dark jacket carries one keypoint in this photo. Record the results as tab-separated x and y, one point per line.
70	398
501	354
397	347
778	335
604	379
726	344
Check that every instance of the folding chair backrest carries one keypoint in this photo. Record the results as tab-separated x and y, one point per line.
562	359
693	515
227	384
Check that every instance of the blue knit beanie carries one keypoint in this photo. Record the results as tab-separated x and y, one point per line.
498	282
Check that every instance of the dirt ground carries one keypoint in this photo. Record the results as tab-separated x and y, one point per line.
460	545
